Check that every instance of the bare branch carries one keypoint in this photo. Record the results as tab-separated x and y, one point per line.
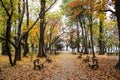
108	11
55	39
50	6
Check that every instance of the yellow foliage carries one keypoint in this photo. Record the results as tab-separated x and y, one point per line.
109	25
102	16
33	35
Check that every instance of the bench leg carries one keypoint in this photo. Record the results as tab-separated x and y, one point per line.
94	66
34	68
38	67
41	66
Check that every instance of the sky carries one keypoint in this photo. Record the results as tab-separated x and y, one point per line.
56	6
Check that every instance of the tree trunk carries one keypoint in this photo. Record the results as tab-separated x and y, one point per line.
91	32
78	45
117	7
101	39
67	47
20	20
8	30
91	38
86	46
85	38
16	56
26	48
17	50
50	40
41	51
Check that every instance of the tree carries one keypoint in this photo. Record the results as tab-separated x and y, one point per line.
99	5
117	8
41	51
53	25
83	9
20	21
116	12
9	14
91	24
26	49
58	44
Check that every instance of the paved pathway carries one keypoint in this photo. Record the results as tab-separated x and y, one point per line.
68	68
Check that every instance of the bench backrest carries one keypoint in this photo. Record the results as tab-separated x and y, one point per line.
36	61
95	61
87	57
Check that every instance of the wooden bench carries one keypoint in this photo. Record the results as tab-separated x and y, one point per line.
117	54
87	59
80	56
37	64
94	64
48	59
111	53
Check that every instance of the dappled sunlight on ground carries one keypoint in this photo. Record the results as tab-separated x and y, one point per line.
64	66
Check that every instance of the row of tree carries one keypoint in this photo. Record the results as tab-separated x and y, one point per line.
23	25
91	27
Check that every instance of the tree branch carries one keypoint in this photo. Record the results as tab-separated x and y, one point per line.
52	25
4	8
50	6
11	7
40	14
55	39
55	24
108	11
9	42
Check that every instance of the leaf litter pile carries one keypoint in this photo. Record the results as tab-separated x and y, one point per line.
64	66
